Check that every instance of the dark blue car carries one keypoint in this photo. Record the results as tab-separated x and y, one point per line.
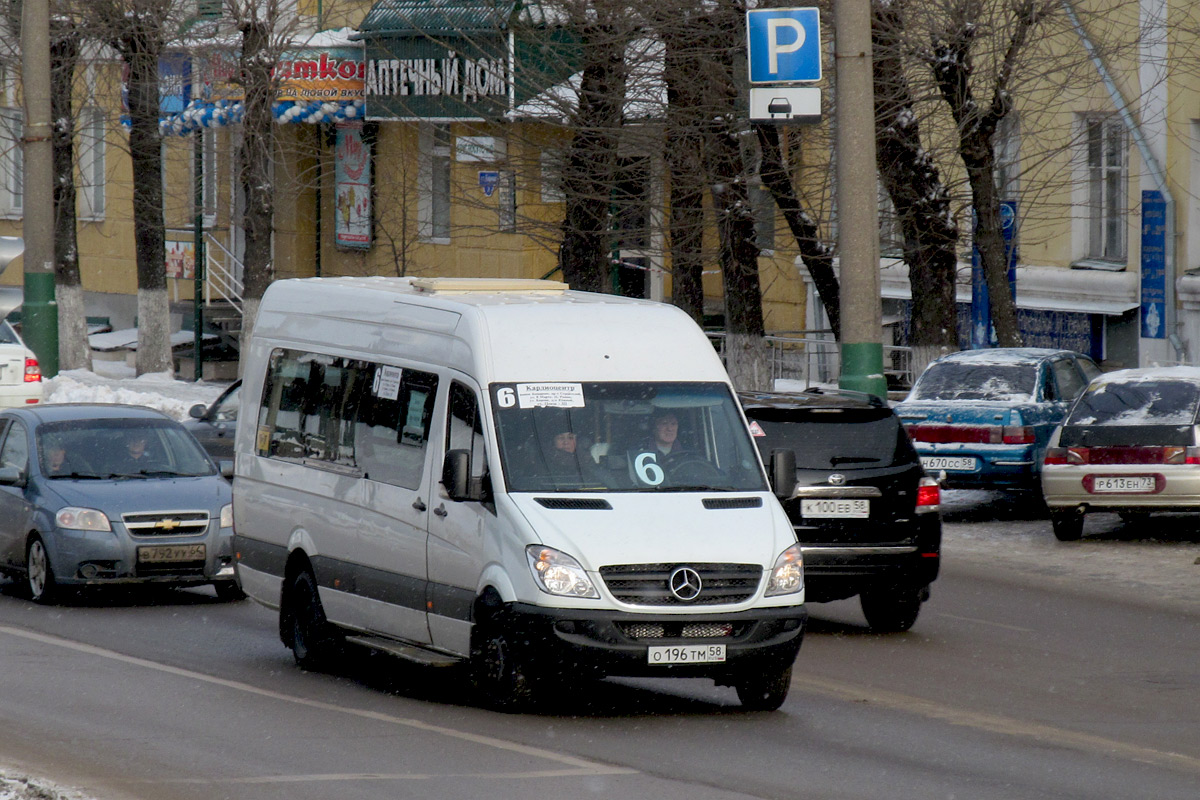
94	494
982	418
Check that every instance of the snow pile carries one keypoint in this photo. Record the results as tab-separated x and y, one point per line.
118	384
14	787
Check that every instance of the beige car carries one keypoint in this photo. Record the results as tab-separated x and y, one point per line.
1129	445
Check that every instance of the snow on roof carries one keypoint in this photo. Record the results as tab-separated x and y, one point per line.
1146	374
1004	355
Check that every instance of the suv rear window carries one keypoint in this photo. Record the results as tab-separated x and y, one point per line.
1146	402
830	437
976	381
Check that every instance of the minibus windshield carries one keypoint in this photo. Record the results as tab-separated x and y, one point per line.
623	437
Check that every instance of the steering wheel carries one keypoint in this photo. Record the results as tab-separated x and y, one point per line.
693	470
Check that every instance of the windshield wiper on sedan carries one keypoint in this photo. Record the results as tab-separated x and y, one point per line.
853	460
78	476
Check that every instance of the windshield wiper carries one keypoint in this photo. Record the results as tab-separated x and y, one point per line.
699	487
79	476
161	473
853	460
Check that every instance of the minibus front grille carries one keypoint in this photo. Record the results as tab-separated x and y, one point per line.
167	523
639	631
574	503
650	584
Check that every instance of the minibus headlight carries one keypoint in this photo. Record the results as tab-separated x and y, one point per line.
227	516
558	573
787	576
81	519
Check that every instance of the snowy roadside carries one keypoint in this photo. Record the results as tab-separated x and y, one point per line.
16	787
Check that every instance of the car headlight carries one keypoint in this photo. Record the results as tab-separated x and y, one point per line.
558	573
227	516
82	519
787	576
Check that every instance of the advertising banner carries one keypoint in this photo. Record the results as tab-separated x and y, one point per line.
352	175
983	334
1154	266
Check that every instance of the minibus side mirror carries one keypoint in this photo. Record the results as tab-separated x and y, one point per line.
226	467
783	472
456	474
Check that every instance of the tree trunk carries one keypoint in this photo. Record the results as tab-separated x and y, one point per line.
141	48
918	194
73	349
255	157
817	257
685	159
980	160
589	167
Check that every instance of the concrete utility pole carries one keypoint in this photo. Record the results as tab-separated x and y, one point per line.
857	214
40	313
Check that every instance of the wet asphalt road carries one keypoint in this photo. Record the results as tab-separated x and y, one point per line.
1037	670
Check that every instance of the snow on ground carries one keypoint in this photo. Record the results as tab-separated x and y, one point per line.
17	787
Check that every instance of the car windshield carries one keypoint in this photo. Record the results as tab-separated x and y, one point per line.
1145	402
952	380
825	438
623	437
120	448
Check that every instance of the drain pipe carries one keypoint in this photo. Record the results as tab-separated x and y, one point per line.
1156	172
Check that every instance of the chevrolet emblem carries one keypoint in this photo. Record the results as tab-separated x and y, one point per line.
167	524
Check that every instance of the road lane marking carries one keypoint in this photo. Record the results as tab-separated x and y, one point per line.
578	766
987	622
993	723
381	776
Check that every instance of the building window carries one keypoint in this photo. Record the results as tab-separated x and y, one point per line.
891	235
434	182
551	163
91	164
12	164
208	170
1106	179
1008	157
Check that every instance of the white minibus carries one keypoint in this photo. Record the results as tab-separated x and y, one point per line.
539	482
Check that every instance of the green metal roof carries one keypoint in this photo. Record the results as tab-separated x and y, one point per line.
449	16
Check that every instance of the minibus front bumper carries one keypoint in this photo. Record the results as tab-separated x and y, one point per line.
618	643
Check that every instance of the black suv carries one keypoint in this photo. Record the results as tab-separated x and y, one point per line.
865	512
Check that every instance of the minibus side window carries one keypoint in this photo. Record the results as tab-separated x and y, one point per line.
309	407
464	431
395	412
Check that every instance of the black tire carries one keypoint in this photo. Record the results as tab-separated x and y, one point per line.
40	585
765	690
229	591
891	610
1067	525
314	642
499	667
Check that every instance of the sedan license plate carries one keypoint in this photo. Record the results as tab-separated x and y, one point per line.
686	654
830	508
960	463
167	553
1123	484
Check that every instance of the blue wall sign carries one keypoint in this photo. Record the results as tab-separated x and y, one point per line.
783	45
983	333
1154	266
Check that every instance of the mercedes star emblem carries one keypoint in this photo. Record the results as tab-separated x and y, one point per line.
685	583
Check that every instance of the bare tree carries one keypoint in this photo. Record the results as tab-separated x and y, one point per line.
140	31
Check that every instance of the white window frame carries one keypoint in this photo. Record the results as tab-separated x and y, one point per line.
92	164
1008	157
435	144
12	163
1106	158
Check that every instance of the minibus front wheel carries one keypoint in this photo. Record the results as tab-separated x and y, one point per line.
764	689
499	664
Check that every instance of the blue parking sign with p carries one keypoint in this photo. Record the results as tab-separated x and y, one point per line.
783	45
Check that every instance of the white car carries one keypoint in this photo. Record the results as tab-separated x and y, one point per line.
20	375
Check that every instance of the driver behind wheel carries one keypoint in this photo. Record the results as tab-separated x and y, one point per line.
653	461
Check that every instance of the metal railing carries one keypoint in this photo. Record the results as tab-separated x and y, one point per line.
221	274
813	357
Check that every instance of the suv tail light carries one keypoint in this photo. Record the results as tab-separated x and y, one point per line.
929	495
33	372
